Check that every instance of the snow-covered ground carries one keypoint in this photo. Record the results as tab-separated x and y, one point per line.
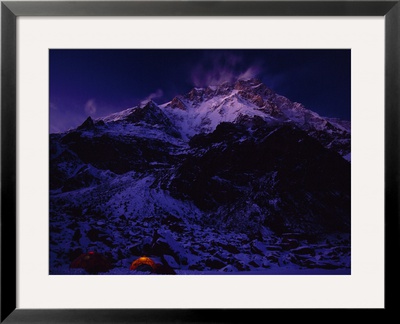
131	220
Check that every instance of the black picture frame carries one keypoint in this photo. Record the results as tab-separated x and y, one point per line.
11	10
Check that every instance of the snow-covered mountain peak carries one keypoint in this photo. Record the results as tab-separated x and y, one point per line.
121	115
201	110
147	112
245	101
147	104
177	103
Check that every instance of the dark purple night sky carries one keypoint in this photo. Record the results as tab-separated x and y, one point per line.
100	82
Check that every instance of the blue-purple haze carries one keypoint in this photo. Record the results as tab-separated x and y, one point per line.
97	83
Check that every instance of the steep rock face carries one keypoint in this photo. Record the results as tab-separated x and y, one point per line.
88	124
119	154
152	115
287	178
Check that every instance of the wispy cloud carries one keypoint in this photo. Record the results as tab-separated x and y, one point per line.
152	96
157	94
216	68
90	107
251	72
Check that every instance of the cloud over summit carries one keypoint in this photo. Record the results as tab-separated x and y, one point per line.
220	67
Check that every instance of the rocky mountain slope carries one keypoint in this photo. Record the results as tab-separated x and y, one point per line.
228	178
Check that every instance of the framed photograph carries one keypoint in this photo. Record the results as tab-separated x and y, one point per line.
180	161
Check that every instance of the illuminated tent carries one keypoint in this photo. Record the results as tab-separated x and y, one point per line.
143	263
92	262
146	264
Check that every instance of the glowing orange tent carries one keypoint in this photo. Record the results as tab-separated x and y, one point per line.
143	263
92	262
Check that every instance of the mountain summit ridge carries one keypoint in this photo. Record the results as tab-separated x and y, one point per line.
201	110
